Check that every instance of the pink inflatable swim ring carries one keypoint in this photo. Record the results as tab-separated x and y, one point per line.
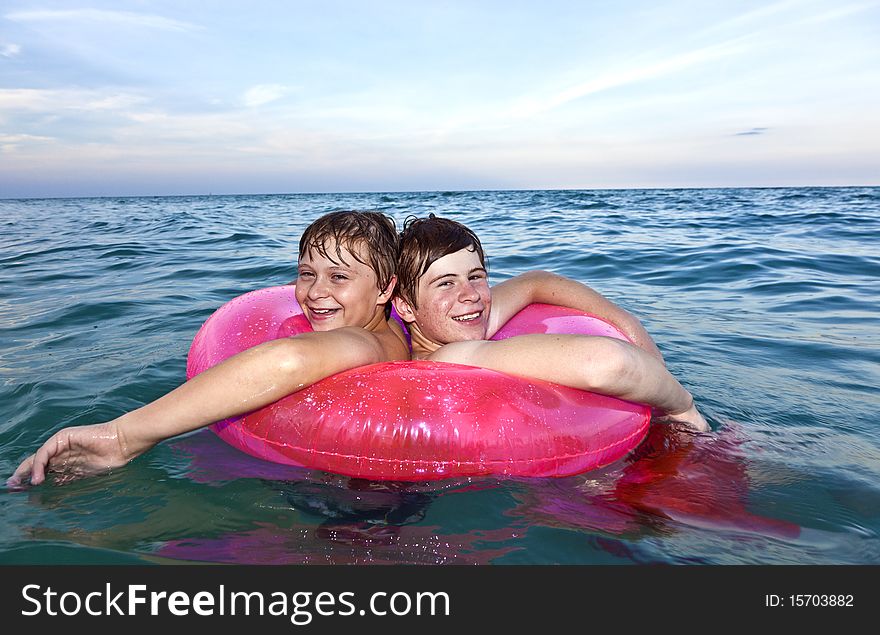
420	421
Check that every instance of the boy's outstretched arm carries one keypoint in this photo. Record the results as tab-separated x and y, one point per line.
243	383
511	296
599	364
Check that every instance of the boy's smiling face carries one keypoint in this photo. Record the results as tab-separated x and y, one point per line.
334	293
454	300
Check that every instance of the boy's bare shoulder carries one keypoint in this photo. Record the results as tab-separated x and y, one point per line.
387	344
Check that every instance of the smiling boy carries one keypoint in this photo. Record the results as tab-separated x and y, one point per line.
347	263
444	297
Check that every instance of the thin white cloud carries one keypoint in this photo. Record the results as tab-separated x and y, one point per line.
54	100
9	50
529	106
115	101
263	94
802	13
18	138
25	99
760	16
12	142
838	13
127	18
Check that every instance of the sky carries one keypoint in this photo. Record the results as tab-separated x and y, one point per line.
130	97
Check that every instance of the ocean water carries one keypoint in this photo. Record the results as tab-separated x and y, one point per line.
763	301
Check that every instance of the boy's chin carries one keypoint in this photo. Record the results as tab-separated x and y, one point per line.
468	334
324	326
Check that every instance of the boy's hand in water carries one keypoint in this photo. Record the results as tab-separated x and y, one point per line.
76	452
690	418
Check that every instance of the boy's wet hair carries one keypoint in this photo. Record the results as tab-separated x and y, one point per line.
424	241
349	230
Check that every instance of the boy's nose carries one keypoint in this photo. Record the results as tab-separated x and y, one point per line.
469	293
317	289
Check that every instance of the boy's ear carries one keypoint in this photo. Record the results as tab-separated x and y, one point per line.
388	291
404	310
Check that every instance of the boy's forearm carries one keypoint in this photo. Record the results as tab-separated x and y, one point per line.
248	381
637	376
598	364
644	379
636	333
243	383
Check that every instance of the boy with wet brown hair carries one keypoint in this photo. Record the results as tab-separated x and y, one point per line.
345	281
444	297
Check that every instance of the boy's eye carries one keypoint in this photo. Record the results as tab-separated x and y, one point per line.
305	274
339	276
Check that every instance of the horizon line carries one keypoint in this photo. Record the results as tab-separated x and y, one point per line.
442	191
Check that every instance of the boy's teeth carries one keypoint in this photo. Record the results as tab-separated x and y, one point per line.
469	316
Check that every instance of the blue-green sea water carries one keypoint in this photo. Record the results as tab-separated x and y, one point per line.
763	301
